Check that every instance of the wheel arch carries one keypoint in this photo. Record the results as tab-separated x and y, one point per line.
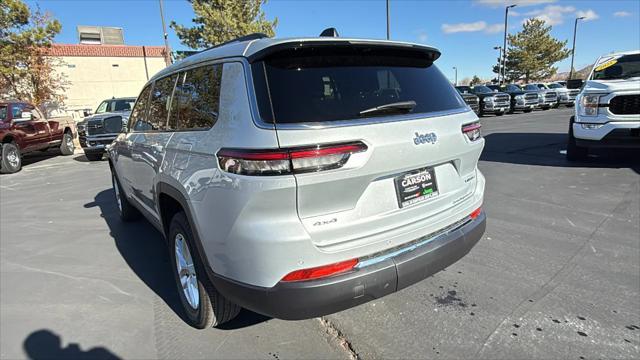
170	201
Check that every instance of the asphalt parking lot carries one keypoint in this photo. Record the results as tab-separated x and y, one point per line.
557	274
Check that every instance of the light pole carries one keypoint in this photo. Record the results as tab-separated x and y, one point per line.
387	19
504	45
167	57
456	81
499	48
573	50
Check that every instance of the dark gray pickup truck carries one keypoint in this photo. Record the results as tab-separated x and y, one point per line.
99	130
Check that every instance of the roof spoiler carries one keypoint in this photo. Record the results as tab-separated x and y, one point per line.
430	53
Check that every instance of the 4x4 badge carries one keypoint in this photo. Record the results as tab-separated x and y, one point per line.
430	138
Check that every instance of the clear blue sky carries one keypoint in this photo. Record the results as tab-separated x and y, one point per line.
465	31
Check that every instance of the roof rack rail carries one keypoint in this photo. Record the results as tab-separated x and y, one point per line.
254	36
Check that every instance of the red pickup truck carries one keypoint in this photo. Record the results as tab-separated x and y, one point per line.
24	129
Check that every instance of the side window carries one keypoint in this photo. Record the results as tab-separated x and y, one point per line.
160	103
137	120
16	111
197	98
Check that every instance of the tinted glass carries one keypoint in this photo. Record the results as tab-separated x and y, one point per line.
337	84
464	89
102	108
160	102
3	112
481	89
197	98
555	86
511	87
541	86
531	87
624	67
137	121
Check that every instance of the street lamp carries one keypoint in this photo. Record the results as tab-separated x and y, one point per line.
167	49
499	48
456	69
573	50
504	45
387	19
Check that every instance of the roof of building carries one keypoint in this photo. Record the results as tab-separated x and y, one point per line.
253	49
104	50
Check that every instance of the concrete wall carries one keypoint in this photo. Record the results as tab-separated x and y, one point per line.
93	79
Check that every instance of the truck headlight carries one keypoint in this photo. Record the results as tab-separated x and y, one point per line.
589	105
519	97
488	99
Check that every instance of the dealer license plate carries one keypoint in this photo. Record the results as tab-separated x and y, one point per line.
416	186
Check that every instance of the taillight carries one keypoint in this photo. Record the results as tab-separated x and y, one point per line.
288	160
472	131
321	271
474	215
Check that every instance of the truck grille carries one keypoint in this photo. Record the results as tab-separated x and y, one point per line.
109	125
574	92
550	96
502	99
471	100
625	105
531	97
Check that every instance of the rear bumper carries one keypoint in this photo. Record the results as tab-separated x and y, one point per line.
385	275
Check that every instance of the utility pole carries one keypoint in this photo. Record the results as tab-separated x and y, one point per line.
387	19
167	49
573	49
456	69
499	48
504	45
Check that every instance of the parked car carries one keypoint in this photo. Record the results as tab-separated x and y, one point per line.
100	129
24	129
348	171
520	100
546	98
607	112
490	102
471	100
563	83
566	96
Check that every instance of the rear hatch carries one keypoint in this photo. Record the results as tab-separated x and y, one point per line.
400	121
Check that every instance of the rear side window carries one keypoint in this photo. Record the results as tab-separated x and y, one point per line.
320	85
160	103
138	120
196	99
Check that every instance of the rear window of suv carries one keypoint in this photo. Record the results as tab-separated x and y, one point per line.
331	84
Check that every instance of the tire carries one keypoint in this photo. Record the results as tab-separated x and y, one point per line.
67	147
94	156
575	152
499	113
126	211
570	105
205	307
527	110
10	158
545	108
556	106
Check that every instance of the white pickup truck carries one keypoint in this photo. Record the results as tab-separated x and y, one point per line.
607	112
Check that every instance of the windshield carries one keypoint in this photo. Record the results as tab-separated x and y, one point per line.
555	86
115	105
541	86
463	89
481	89
512	87
494	87
531	87
342	83
623	67
3	112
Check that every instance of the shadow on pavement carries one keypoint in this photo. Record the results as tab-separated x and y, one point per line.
548	149
146	253
37	156
45	344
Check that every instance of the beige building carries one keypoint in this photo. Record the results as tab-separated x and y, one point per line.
98	72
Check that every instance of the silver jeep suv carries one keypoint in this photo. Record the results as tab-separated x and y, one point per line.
300	177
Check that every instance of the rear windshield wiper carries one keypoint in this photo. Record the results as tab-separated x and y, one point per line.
401	106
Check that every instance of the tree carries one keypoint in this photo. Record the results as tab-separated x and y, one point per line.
26	72
217	21
475	80
533	52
